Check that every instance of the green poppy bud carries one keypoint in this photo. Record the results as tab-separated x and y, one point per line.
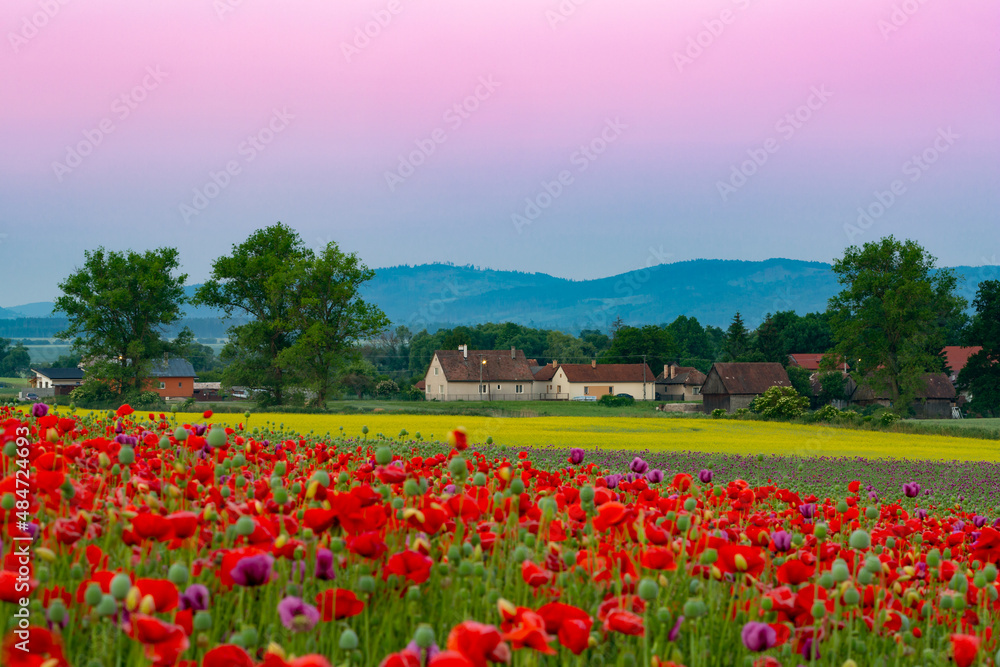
121	584
178	574
648	590
202	621
860	539
107	606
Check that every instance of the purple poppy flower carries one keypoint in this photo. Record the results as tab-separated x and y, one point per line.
424	655
979	521
638	465
705	476
39	410
576	456
810	649
118	427
253	570
782	541
808	510
672	635
324	565
194	598
758	636
297	615
911	490
199	429
450	489
611	481
654	476
873	496
921	514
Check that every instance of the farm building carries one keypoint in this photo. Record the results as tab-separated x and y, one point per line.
810	361
733	386
679	383
543	387
60	380
479	375
574	380
934	401
956	357
172	378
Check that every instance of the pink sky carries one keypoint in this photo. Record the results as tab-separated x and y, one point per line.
325	173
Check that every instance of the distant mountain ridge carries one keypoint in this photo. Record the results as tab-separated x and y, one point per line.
712	290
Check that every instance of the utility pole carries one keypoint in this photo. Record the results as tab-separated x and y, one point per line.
644	377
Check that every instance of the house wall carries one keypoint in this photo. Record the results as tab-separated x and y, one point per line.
678	392
727	402
574	389
440	389
172	387
933	408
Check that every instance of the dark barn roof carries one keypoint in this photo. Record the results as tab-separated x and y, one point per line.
500	366
173	368
686	375
60	373
745	378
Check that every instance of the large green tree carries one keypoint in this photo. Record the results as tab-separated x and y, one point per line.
257	281
329	317
891	315
630	344
118	305
737	344
981	375
15	361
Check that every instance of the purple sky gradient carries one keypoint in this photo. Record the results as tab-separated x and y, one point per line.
557	85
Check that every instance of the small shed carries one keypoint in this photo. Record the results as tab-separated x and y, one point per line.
734	385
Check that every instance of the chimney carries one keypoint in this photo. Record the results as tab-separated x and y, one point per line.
673	371
465	351
666	372
593	363
555	364
512	353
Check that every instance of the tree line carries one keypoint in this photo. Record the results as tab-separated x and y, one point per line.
299	327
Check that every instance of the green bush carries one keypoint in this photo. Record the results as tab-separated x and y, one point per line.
780	403
718	413
742	413
827	413
887	418
616	401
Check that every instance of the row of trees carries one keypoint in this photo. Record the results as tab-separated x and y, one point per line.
305	315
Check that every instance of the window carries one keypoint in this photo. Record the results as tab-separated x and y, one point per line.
498	387
441	389
482	389
163	385
180	384
586	391
695	390
435	370
518	388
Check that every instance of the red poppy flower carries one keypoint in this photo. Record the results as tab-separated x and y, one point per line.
42	647
987	547
534	575
964	648
794	572
624	622
530	633
402	659
658	558
227	655
124	411
337	603
854	486
150	526
738	558
478	643
164	642
450	659
164	593
409	564
609	514
571	625
369	545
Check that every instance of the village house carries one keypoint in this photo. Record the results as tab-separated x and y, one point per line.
934	400
810	361
734	385
543	388
576	380
172	378
60	381
679	383
479	375
956	358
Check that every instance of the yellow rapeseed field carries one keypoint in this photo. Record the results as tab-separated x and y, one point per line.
727	436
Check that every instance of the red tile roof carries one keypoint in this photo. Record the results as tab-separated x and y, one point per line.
544	373
686	375
807	360
609	373
500	367
957	357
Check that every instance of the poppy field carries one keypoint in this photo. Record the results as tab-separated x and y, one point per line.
150	539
